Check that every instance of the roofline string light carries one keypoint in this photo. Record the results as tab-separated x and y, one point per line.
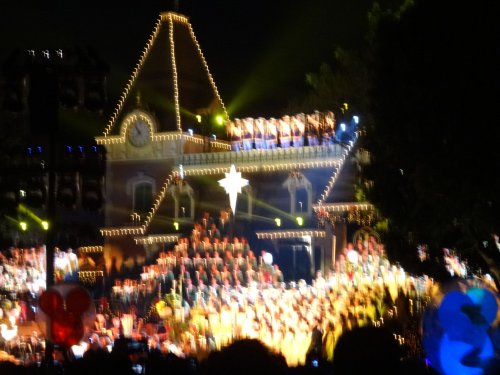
133	118
166	136
132	79
149	240
210	78
270	235
259	167
169	17
141	230
342	207
174	70
333	178
161	195
90	249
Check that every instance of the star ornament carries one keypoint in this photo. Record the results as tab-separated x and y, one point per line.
233	183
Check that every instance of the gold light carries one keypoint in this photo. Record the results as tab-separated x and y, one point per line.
269	235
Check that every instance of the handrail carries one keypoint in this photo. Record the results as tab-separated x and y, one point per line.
257	156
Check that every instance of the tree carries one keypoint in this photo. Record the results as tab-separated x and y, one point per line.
344	81
433	141
347	78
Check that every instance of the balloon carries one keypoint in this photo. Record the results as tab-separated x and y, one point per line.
67	329
51	301
457	335
78	300
65	310
488	302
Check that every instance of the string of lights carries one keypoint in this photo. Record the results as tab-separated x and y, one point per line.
132	79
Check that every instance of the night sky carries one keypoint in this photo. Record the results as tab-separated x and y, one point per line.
258	51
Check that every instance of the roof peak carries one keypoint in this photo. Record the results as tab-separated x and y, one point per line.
174	16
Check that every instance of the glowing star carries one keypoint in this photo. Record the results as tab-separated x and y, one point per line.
233	183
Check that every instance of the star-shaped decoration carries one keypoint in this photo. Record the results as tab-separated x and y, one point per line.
233	183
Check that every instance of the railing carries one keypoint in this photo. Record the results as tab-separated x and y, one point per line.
260	156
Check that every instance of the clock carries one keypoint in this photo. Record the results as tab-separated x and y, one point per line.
139	132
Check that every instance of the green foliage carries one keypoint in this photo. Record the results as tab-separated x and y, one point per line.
343	80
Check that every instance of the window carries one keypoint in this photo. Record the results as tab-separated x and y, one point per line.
143	197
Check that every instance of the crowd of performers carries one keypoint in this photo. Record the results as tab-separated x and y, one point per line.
212	291
288	131
208	291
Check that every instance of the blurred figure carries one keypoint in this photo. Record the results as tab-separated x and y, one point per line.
259	132
271	133
234	132
313	129
329	128
248	133
285	131
298	127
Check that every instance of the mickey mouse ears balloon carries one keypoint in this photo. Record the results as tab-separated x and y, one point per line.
459	331
66	310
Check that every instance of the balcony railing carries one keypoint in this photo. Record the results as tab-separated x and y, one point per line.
264	156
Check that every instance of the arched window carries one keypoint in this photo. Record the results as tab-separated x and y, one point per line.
141	189
300	190
143	197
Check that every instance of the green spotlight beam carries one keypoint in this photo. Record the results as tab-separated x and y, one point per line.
269	73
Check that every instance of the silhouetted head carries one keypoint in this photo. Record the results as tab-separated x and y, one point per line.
366	350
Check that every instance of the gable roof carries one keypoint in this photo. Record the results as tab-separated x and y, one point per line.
171	80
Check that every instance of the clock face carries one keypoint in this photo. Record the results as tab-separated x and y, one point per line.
139	133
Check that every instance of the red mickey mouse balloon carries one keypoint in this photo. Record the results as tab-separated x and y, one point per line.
51	301
67	329
69	309
78	300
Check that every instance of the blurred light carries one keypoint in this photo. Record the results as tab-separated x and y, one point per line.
219	120
268	258
278	222
69	148
300	220
176	225
45	225
29	150
22	193
39	148
342	126
190	131
23	225
198	118
353	256
356	119
214	137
